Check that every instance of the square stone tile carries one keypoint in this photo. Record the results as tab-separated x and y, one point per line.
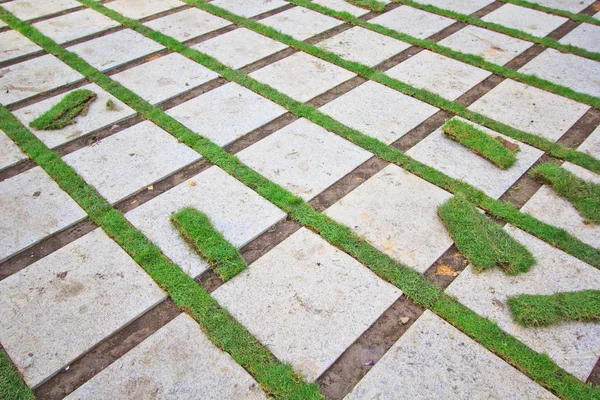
32	206
363	46
249	8
97	117
304	158
586	36
460	6
228	113
343	5
13	44
492	46
306	279
575	346
530	109
434	360
396	212
240	47
568	5
379	111
137	9
525	19
459	162
438	74
124	163
177	361
317	76
11	153
32	77
165	77
219	196
30	9
187	24
301	23
591	145
116	49
412	21
58	308
75	25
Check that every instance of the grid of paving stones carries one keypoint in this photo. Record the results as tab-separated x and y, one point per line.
81	318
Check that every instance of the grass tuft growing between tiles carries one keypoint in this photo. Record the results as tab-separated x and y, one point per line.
497	150
64	113
483	242
536	310
372	5
12	386
584	195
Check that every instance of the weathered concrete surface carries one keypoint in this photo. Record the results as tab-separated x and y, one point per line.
301	23
343	5
464	7
11	153
187	24
535	22
249	8
412	21
586	36
137	9
13	44
30	9
75	25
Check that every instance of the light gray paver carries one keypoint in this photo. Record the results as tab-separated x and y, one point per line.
13	44
234	210
460	6
11	153
301	23
304	158
142	8
306	279
412	21
61	306
75	25
379	111
574	346
30	9
32	206
434	360
525	19
177	361
591	145
586	36
530	109
396	212
249	8
187	24
124	163
568	5
458	161
317	76
343	5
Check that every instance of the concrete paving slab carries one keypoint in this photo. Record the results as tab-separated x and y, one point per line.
591	145
567	5
249	9
525	19
11	153
586	36
30	9
460	6
301	23
412	21
187	24
13	44
138	9
75	25
343	5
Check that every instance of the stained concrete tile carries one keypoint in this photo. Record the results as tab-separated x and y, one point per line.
591	145
240	47
412	21
11	154
317	76
249	8
434	360
32	206
137	9
228	113
75	25
586	36
187	24
363	46
304	158
306	279
165	77
460	6
442	75
124	163
459	162
492	46
118	48
13	44
396	212
29	78
61	306
567	5
301	23
530	109
574	346
379	111
525	19
178	361
97	117
220	197
30	9
343	5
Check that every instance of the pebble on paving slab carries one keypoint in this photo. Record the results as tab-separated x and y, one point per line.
249	8
414	22
30	9
137	9
586	36
536	23
75	25
187	24
301	23
13	44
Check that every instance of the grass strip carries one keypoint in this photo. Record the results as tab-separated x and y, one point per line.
372	5
496	150
12	385
64	113
563	13
584	195
198	232
536	310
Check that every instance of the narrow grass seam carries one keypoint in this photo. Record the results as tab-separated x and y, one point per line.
372	5
563	13
12	385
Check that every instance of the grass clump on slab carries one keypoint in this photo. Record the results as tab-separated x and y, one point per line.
64	113
497	150
196	230
537	310
584	195
373	5
12	386
483	242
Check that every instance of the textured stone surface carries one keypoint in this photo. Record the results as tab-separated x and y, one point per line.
177	361
412	21
530	109
11	154
301	23
591	145
126	162
187	24
13	44
460	6
303	158
586	36
30	9
568	5
249	8
69	301
32	206
75	25
379	111
142	8
396	212
220	197
525	19
343	5
306	279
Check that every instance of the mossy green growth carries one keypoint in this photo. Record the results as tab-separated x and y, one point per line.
483	242
110	105
498	151
537	310
373	5
12	386
584	195
64	113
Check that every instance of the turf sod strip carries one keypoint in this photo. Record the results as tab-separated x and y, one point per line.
64	113
12	385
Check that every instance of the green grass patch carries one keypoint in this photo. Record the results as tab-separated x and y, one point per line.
498	151
372	5
563	13
197	231
584	195
483	242
12	385
536	310
64	113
